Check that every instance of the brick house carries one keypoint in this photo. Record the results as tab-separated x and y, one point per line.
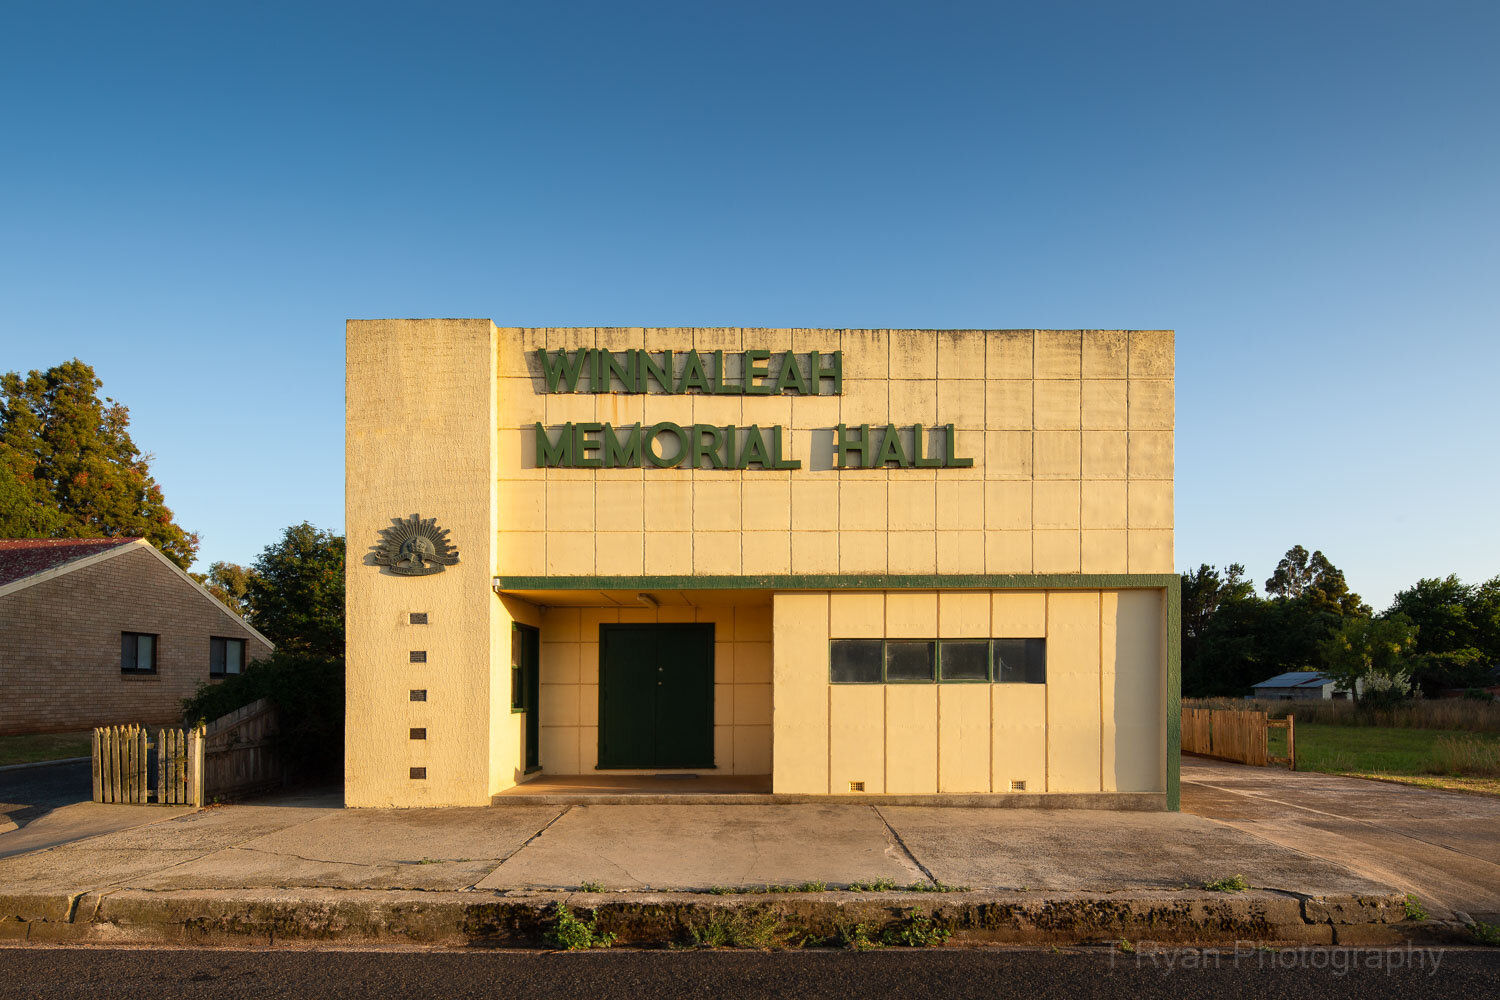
101	631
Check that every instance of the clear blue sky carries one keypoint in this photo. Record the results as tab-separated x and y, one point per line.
196	196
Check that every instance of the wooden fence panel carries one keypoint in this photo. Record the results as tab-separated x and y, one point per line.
240	754
1229	734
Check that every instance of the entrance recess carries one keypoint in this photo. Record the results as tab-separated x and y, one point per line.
656	696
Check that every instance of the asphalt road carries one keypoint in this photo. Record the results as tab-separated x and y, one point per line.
26	792
1325	974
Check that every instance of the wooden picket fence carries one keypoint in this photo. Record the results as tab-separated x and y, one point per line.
233	755
122	765
1241	736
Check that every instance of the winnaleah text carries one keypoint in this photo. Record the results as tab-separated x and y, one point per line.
635	370
667	445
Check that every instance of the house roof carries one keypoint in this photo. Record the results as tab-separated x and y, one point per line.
23	557
1296	678
25	562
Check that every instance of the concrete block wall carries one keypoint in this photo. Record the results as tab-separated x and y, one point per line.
1097	725
1071	433
60	646
569	701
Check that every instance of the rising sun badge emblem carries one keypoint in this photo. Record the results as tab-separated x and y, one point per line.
415	546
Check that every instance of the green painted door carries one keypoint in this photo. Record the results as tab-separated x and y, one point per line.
656	696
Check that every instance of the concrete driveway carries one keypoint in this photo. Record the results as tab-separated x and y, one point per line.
1444	847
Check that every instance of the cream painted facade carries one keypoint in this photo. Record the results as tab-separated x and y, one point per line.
1060	529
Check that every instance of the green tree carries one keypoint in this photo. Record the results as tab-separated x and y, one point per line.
1458	630
1220	624
1315	580
230	583
295	592
71	469
24	512
1373	658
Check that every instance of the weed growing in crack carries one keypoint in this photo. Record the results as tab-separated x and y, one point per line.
1234	883
878	885
572	934
590	886
1486	934
748	928
856	937
936	886
918	931
1414	908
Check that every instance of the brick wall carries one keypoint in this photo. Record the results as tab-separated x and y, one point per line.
60	646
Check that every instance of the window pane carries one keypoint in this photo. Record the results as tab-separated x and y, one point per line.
1021	661
965	661
1036	661
856	661
143	652
234	655
909	661
127	651
215	657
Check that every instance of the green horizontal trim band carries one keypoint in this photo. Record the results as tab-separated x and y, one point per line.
848	581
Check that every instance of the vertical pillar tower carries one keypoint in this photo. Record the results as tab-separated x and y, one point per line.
420	406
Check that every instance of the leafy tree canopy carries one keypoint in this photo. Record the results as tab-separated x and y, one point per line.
295	592
1372	657
1458	630
230	583
68	468
1315	580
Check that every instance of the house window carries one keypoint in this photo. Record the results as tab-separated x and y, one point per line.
137	653
226	657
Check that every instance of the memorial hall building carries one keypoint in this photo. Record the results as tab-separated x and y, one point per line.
889	565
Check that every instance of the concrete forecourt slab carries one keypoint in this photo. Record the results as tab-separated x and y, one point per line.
306	870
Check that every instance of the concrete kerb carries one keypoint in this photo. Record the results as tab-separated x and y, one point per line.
521	919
